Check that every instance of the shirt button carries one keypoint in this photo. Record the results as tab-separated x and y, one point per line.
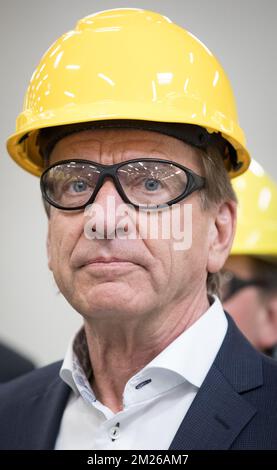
142	384
114	432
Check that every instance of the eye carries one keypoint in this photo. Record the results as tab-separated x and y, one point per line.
152	184
77	186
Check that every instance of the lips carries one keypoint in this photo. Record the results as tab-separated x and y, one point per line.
112	268
106	260
103	258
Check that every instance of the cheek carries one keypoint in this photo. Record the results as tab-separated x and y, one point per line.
198	253
64	232
161	265
182	248
170	267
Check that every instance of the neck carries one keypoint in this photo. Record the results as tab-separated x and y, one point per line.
119	349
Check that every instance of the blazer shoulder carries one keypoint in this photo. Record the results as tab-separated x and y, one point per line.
13	364
31	408
30	384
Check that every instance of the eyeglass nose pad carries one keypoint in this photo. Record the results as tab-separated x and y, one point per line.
107	218
105	184
107	189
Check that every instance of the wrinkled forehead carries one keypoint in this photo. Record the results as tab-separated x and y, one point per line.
113	145
193	135
111	139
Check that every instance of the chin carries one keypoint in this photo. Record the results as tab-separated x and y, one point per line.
109	299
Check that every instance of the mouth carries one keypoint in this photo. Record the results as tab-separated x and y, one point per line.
107	261
109	268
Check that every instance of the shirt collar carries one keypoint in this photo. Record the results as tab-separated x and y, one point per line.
192	353
188	358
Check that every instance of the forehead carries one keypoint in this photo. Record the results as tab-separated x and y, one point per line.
110	146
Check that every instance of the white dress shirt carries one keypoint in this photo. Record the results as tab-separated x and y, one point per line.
155	400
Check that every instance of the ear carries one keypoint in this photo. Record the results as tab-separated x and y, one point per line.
221	234
48	246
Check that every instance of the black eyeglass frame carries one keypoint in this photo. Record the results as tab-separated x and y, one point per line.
236	284
194	182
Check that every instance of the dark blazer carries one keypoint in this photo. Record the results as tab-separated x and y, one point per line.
12	364
235	408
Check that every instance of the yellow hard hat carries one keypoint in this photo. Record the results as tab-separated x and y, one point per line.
127	64
257	213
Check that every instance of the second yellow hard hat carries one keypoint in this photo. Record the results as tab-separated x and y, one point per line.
256	233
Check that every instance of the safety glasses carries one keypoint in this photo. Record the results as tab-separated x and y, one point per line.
147	183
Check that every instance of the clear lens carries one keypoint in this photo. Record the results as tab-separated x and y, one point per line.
152	183
70	184
145	183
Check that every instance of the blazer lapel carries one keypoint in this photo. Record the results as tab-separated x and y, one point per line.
215	418
42	415
218	412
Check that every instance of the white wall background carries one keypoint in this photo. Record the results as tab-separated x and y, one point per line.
241	33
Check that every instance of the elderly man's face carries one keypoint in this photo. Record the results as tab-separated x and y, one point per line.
149	273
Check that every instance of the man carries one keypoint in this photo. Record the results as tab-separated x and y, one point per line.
131	121
250	273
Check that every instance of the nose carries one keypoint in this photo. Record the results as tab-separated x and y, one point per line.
107	214
107	190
